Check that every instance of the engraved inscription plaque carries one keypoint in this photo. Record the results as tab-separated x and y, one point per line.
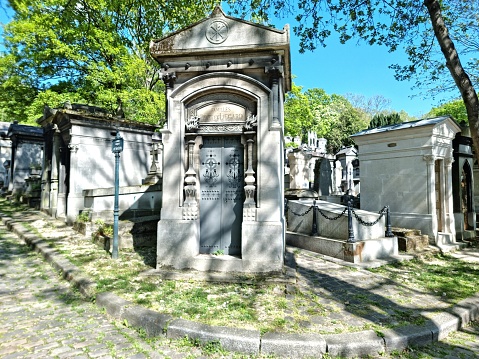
221	113
221	195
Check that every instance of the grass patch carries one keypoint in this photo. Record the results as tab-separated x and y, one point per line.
439	274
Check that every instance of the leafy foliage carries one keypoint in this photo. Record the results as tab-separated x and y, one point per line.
87	51
454	108
385	120
330	116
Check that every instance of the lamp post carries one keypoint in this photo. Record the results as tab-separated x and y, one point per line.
116	148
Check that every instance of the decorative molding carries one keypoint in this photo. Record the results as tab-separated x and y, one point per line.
169	79
429	158
251	121
193	123
221	128
448	161
73	147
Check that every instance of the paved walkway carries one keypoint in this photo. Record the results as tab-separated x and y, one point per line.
41	317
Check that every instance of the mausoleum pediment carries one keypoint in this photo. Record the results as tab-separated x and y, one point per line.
223	43
220	33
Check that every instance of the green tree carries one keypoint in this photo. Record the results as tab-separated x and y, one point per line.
420	28
330	116
298	116
385	120
88	51
454	108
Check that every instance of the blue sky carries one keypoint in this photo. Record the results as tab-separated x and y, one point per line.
358	69
350	68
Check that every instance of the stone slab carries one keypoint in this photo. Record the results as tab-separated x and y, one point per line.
293	345
444	323
351	345
232	339
404	337
113	304
152	322
357	252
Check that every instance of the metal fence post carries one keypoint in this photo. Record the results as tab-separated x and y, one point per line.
389	232
350	223
314	230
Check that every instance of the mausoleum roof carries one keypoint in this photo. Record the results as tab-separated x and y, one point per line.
222	38
16	129
406	125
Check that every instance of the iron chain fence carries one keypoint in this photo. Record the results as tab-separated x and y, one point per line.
314	232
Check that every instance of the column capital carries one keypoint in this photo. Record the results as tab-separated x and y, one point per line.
429	158
448	161
169	79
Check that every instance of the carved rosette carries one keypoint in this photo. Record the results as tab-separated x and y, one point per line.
249	206
190	205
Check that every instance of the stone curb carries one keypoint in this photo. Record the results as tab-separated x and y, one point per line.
251	341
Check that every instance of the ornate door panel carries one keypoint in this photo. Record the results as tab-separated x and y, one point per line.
221	189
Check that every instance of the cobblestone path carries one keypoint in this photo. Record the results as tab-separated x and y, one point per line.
41	317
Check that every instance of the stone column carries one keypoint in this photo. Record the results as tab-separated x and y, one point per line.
431	192
249	207
169	79
275	72
54	174
190	205
449	210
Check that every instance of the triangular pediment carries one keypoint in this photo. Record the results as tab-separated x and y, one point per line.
220	33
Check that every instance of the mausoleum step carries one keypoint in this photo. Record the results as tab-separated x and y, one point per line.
412	243
406	232
135	232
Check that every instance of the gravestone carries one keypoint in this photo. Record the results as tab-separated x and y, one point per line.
223	145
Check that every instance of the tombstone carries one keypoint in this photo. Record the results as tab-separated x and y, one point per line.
409	167
463	188
78	157
223	145
321	145
299	169
26	152
337	177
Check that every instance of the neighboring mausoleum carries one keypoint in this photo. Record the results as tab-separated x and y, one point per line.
79	165
26	156
223	145
408	166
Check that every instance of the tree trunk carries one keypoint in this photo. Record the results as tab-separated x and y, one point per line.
462	80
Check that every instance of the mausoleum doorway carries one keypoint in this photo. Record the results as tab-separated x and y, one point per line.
221	194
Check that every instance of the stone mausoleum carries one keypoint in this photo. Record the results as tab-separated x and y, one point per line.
223	145
79	166
409	166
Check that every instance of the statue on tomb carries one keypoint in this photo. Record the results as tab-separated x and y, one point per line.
337	176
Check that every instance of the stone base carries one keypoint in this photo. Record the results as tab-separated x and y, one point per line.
410	240
356	252
262	248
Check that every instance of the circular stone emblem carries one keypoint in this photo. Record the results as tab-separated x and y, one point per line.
217	32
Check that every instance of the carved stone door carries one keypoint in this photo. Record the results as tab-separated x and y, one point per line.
221	194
